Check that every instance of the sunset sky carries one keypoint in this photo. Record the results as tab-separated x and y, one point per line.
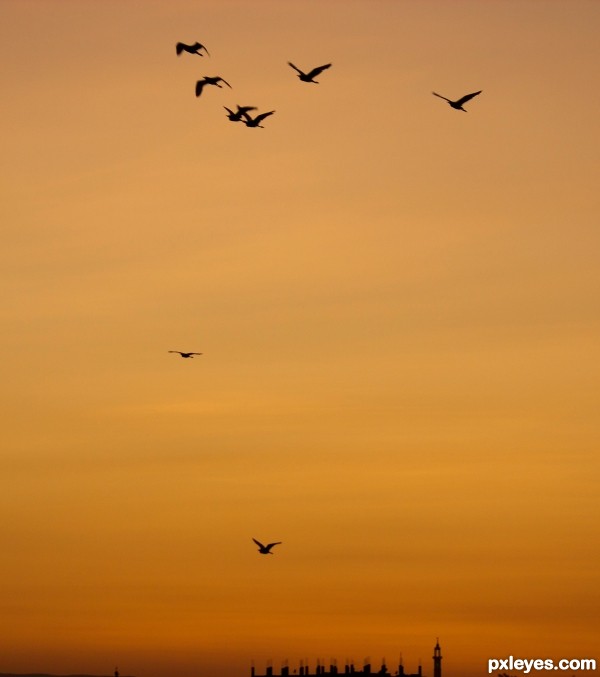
398	309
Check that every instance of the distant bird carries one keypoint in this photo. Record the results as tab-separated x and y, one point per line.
207	80
190	49
265	549
309	77
255	122
186	355
241	110
458	104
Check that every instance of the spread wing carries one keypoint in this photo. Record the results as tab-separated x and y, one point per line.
441	97
295	68
468	97
260	545
200	86
319	69
262	116
225	83
244	109
199	46
270	545
176	351
179	47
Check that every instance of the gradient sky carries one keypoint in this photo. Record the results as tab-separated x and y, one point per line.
399	313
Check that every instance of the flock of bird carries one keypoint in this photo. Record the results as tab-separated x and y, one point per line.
242	112
242	115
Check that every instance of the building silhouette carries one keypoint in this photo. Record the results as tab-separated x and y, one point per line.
437	659
349	669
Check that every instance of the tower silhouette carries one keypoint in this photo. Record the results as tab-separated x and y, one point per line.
437	659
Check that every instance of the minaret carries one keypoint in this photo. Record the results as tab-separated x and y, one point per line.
437	660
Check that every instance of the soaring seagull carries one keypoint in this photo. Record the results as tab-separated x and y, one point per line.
208	80
186	355
309	77
237	115
458	104
265	549
190	49
255	122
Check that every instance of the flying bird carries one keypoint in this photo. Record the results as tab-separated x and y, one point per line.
190	49
265	549
255	122
207	80
309	77
458	104
186	355
237	115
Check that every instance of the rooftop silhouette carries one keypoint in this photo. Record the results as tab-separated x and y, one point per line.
349	669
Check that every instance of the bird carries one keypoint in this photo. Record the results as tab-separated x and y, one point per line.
458	104
309	77
241	110
186	355
190	49
208	80
265	549
255	122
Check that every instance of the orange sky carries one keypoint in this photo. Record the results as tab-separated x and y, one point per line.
398	309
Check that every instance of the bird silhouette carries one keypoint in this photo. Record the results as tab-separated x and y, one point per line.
241	110
186	355
190	49
309	77
265	549
208	80
255	122
458	104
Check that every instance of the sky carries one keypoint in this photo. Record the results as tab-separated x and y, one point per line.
397	305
